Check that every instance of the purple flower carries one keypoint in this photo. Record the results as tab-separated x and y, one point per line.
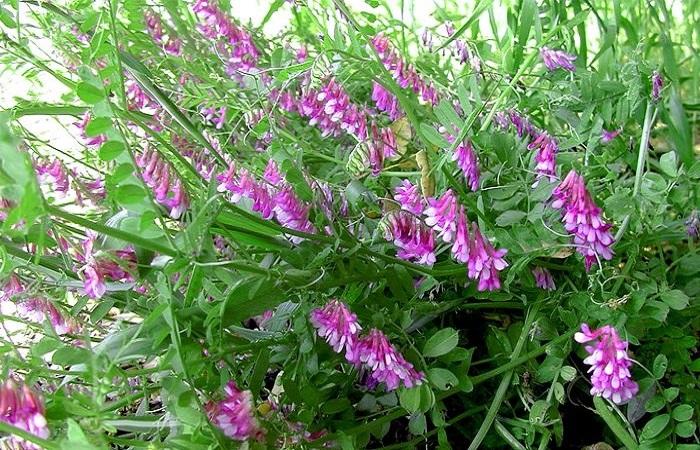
93	281
409	197
332	111
214	116
583	218
167	187
171	45
692	225
136	97
467	162
39	309
339	327
485	262
610	363
546	156
234	414
385	364
414	240
403	73
292	213
54	173
657	83
607	136
386	101
90	141
272	173
234	43
555	59
441	215
462	242
521	124
543	278
301	54
22	408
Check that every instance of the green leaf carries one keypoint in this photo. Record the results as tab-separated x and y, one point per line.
417	424
410	399
68	356
681	413
90	94
433	136
669	164
295	177
528	9
441	343
510	217
655	426
567	373
97	126
442	379
675	299
130	194
686	429
110	150
659	367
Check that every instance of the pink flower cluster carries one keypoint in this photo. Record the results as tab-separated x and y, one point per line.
545	145
55	174
444	215
583	218
167	186
555	59
214	116
386	101
543	278
373	352
233	42
21	407
234	415
403	73
610	363
331	110
40	309
201	158
657	84
96	268
90	141
607	136
414	240
269	199
170	44
465	157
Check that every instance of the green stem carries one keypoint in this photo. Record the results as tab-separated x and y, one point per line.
614	425
505	382
641	158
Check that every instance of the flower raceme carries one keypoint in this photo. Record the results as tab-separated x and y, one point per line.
414	240
338	326
233	415
166	184
409	197
373	353
555	59
466	160
21	407
154	25
583	218
543	278
610	363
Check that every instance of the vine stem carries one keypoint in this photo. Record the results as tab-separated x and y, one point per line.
505	381
614	425
641	158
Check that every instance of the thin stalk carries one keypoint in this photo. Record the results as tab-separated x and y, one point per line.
641	158
614	425
505	382
507	436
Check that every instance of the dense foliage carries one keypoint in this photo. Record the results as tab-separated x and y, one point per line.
359	231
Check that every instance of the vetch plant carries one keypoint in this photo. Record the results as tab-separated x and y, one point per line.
348	225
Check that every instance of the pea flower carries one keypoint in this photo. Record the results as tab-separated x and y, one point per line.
54	173
332	111
154	26
485	262
583	218
90	141
40	309
214	116
555	59
543	278
409	197
385	364
292	213
234	414
441	215
414	240
607	136
386	101
466	160
339	327
610	363
545	156
692	225
21	407
166	184
657	83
